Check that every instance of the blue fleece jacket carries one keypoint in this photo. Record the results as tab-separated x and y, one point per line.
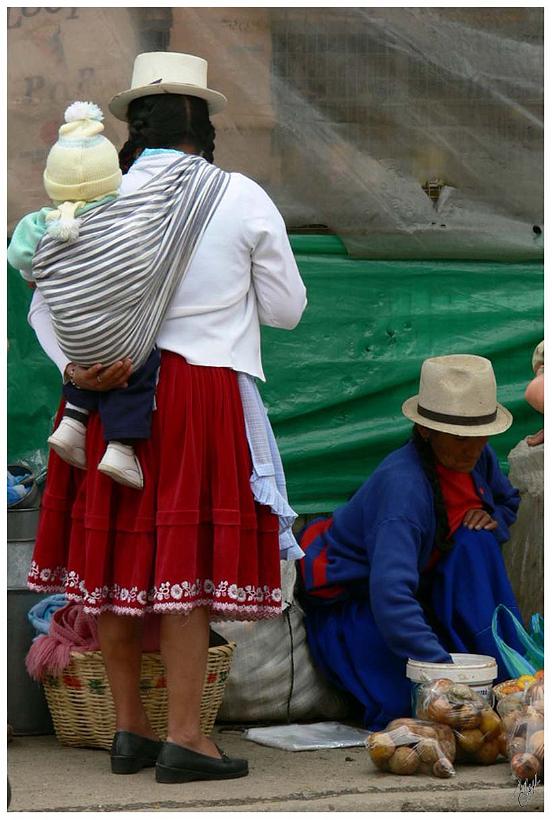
380	541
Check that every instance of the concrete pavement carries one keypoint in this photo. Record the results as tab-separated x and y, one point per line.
46	776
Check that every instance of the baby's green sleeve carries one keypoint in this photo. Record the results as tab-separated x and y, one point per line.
28	233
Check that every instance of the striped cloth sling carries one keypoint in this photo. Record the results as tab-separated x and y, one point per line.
109	290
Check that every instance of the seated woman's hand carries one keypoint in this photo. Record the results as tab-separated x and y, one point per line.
479	520
98	377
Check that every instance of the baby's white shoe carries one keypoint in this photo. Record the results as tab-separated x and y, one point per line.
69	441
121	464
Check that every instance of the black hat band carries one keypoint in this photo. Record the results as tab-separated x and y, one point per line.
465	421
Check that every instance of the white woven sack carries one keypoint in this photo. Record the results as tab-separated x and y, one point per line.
273	677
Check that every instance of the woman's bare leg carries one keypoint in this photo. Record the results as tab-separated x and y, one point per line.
184	647
121	644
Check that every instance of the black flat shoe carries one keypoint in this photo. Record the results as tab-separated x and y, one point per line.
130	752
177	764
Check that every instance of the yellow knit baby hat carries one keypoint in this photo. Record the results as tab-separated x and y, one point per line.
83	164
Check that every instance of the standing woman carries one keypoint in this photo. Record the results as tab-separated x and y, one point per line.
194	543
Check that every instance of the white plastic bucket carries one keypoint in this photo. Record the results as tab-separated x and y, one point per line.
478	671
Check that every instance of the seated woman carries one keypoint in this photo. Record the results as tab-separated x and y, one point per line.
411	566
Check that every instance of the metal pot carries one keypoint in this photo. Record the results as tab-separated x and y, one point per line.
22	523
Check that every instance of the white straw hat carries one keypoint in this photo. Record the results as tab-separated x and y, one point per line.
458	396
167	72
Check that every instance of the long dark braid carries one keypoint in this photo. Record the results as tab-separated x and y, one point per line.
427	459
167	121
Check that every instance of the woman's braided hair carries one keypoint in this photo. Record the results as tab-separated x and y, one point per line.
425	453
167	121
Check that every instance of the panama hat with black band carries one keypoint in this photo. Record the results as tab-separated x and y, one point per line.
457	395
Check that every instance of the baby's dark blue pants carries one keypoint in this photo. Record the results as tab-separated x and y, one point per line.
126	411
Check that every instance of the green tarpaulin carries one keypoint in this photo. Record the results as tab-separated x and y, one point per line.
335	385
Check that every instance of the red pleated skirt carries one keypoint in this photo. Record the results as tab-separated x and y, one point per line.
194	536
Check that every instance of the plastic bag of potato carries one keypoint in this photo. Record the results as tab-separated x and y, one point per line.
524	725
408	746
479	733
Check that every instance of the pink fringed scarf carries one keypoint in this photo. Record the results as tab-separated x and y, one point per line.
71	630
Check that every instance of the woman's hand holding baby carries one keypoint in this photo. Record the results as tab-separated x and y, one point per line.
98	377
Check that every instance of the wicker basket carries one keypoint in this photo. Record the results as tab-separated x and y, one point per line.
81	705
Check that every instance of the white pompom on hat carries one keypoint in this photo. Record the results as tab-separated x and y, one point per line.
83	165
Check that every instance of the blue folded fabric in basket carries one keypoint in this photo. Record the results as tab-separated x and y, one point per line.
40	615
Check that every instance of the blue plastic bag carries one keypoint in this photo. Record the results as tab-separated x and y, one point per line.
537	630
533	642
